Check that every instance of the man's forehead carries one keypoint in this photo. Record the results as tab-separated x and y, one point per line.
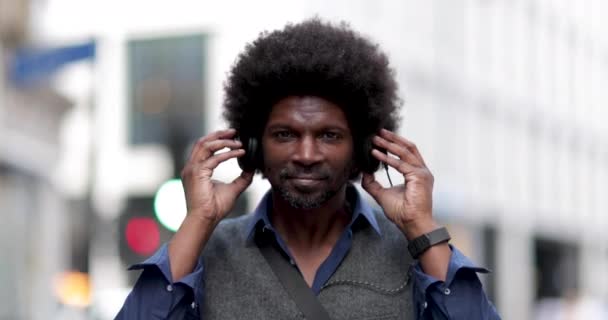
307	110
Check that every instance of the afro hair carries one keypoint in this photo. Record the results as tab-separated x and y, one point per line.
313	58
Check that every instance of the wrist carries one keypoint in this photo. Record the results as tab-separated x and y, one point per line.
418	246
201	221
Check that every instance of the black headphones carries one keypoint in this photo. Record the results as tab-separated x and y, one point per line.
253	156
254	159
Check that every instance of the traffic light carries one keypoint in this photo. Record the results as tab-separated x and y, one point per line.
166	108
140	233
148	222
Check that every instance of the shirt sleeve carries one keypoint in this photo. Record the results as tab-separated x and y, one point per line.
155	294
461	296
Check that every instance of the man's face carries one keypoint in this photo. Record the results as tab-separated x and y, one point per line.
308	150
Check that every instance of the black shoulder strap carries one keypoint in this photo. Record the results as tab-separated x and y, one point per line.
293	282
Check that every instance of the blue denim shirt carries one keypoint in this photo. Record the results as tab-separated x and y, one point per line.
157	296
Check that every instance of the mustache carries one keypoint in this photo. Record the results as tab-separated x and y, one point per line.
310	173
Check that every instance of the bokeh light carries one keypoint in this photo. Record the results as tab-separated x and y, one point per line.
143	236
170	204
73	288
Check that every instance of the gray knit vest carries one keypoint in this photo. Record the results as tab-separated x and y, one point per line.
372	282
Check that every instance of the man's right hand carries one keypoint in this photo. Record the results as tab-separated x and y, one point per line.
207	199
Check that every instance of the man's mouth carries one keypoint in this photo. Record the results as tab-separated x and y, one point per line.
306	177
306	182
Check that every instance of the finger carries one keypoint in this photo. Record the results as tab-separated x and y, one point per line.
211	147
212	162
373	187
240	183
399	150
393	137
198	148
399	165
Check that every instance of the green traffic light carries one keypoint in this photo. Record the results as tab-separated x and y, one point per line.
170	204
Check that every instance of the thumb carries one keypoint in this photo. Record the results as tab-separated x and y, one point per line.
240	183
373	187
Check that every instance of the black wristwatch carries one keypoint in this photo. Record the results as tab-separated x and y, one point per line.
419	245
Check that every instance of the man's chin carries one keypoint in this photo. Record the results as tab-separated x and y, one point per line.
305	205
304	191
304	198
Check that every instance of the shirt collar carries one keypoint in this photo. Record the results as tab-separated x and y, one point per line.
361	211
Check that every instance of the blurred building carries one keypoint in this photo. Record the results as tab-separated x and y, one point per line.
504	98
35	237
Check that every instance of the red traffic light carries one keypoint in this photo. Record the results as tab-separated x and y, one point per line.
142	235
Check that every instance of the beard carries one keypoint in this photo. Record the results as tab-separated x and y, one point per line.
304	201
310	197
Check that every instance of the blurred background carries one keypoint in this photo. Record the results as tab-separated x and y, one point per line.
101	100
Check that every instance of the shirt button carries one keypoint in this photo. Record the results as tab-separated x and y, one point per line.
293	263
193	305
447	291
169	288
425	305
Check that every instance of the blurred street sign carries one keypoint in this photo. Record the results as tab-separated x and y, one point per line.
31	66
166	91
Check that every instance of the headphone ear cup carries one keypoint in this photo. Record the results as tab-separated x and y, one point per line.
248	162
369	164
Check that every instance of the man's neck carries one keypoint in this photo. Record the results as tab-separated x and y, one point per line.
309	229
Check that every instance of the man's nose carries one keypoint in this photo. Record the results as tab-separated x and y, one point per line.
307	152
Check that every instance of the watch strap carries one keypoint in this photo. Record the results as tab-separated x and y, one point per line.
422	243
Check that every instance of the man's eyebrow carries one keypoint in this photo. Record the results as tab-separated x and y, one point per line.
278	126
341	128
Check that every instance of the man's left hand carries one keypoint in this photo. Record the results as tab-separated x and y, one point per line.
408	205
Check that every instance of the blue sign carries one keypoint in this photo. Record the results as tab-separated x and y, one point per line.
30	66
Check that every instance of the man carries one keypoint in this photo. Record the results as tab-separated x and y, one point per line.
314	107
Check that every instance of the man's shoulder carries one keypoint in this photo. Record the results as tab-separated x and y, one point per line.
233	226
387	227
230	232
241	221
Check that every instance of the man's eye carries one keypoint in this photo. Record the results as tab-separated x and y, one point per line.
330	135
283	134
